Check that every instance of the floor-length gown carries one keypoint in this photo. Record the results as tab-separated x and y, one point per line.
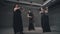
17	21
45	22
31	24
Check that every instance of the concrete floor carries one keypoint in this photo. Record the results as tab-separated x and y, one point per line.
10	30
38	30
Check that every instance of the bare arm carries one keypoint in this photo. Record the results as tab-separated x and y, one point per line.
46	11
41	10
16	9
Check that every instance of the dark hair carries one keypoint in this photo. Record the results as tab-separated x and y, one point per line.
45	8
39	9
15	5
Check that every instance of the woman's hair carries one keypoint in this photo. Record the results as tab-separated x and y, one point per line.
39	9
15	5
44	8
28	12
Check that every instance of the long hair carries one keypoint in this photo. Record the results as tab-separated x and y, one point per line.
15	5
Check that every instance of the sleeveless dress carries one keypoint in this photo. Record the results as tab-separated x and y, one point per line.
45	22
17	21
31	24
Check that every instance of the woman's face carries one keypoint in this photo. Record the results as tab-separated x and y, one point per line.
46	11
16	5
29	11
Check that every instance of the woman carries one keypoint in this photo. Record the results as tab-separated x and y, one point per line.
17	21
31	24
45	20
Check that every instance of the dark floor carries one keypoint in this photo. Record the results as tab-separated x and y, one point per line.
38	30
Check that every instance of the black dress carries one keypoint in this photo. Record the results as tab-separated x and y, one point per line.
31	24
17	21
45	22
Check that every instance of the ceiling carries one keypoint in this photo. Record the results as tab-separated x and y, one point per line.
33	2
36	1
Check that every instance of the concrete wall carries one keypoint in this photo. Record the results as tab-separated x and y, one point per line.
54	13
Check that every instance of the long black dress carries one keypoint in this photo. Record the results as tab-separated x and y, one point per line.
17	21
31	24
45	22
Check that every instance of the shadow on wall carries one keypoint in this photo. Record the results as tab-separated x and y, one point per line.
54	14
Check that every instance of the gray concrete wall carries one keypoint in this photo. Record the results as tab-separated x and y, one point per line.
54	13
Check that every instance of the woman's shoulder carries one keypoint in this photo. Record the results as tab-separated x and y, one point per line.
16	9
